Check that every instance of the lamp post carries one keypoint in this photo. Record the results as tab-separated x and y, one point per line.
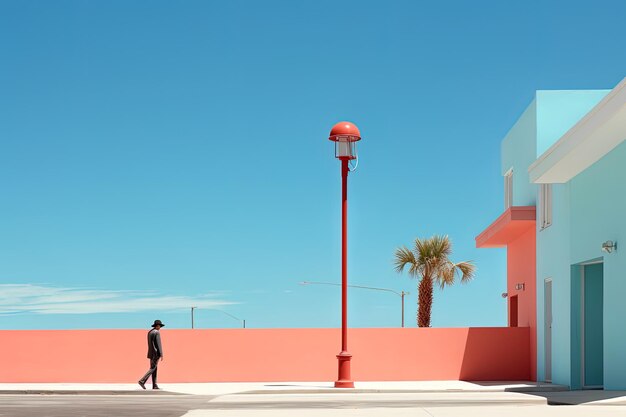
345	135
401	294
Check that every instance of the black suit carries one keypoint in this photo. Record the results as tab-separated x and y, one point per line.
155	352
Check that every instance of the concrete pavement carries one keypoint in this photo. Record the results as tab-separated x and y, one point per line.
373	400
323	405
292	392
497	411
222	388
100	405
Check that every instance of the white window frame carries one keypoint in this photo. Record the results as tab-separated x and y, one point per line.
508	189
545	205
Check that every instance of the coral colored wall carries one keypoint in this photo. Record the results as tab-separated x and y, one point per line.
521	268
266	355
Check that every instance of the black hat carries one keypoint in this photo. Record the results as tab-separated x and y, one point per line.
158	323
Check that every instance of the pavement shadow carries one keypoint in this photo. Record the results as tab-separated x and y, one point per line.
558	394
580	397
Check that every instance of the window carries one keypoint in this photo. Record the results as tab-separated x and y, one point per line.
545	205
508	189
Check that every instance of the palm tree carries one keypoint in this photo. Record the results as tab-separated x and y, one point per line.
429	263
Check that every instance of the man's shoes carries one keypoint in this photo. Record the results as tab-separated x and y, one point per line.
142	384
155	387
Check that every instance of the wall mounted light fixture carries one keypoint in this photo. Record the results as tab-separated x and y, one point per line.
609	246
505	294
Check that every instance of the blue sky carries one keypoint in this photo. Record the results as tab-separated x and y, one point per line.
158	155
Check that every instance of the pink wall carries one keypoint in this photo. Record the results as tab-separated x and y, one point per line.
521	267
515	229
266	355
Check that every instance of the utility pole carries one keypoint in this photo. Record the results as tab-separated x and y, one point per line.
192	308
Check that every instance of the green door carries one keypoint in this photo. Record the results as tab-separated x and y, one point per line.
593	372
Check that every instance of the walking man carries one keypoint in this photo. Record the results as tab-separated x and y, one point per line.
155	353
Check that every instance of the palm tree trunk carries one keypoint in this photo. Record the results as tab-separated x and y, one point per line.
425	302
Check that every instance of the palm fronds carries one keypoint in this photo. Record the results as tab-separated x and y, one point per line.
429	262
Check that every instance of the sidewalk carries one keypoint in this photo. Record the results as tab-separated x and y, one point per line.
223	388
398	387
480	393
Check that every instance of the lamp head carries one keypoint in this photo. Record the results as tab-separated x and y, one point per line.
609	246
345	135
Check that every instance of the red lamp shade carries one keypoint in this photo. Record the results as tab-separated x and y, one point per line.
345	132
345	135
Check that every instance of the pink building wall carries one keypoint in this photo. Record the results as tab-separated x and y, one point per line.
521	267
515	230
229	355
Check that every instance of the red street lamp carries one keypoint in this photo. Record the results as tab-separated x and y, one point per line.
345	135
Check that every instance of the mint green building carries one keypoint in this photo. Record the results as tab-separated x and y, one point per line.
580	175
565	159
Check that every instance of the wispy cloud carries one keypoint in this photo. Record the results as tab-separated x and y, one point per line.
40	299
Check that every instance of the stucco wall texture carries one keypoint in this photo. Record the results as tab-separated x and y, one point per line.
521	266
268	355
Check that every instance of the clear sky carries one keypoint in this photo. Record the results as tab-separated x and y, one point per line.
161	154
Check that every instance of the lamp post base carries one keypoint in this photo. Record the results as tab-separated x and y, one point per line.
344	380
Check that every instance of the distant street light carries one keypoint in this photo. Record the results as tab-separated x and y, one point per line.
221	311
231	316
401	293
